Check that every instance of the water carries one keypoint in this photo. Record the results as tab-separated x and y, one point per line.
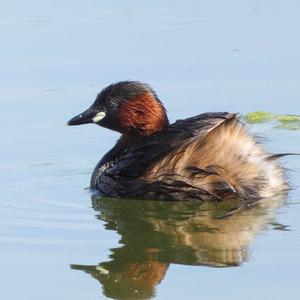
59	243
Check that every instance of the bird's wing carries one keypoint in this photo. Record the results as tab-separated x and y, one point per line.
163	164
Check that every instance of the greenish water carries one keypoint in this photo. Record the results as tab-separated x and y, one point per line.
156	235
60	242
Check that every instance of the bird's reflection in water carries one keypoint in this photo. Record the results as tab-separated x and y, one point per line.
156	234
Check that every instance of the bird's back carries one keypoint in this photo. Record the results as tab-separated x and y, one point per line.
210	156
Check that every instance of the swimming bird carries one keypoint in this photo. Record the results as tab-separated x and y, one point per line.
210	156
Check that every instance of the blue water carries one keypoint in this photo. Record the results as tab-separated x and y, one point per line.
56	243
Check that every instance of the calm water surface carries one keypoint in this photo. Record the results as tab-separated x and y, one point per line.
60	242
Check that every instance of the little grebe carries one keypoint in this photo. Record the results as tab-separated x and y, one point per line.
209	156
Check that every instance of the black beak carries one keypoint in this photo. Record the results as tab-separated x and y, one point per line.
83	118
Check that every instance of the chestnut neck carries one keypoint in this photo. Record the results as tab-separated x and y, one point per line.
141	116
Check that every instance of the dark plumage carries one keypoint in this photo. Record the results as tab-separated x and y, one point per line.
209	156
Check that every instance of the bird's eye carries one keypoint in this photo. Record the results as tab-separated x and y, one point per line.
112	105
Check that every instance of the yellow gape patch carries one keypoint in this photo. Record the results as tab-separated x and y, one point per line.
99	116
